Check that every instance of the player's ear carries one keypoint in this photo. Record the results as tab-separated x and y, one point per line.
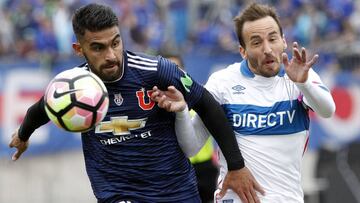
77	49
243	52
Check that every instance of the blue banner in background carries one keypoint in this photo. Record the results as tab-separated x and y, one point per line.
22	84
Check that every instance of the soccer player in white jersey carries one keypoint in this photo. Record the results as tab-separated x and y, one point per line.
266	98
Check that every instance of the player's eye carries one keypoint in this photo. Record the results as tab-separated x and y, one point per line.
255	43
272	39
116	44
97	47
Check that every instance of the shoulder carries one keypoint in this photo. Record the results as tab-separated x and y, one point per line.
229	71
142	61
222	79
142	56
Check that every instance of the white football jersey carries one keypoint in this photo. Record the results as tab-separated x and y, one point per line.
271	124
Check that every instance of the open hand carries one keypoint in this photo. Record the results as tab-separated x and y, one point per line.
243	183
171	100
298	67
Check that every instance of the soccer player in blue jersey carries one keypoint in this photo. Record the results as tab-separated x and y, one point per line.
133	154
266	98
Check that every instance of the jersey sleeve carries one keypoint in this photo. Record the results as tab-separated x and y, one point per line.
316	95
34	118
191	133
170	74
213	86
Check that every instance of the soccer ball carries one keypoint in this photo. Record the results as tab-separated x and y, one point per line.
76	100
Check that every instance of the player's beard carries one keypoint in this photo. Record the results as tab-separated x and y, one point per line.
104	73
260	68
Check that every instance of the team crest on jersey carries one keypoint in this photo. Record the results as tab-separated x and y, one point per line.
238	89
118	99
144	100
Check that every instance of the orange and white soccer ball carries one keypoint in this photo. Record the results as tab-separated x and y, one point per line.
76	100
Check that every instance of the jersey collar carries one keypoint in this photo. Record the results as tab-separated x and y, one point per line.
245	70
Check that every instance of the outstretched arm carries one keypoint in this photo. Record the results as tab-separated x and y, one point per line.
317	96
213	117
34	118
191	133
240	180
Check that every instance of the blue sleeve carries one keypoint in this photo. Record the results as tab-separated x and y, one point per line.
170	74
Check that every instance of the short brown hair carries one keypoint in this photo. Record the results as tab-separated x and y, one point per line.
254	12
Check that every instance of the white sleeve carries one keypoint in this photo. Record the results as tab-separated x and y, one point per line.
191	134
213	85
317	96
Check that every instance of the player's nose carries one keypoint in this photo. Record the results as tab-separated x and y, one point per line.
267	48
110	54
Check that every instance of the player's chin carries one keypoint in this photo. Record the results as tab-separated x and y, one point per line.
270	71
109	74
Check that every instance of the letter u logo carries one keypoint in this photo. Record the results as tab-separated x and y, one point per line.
141	99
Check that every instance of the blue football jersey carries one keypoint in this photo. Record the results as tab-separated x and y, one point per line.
133	153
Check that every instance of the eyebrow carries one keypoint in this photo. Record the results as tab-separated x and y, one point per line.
255	37
101	44
273	33
116	36
258	37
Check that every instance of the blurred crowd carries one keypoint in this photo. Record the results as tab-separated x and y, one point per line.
33	29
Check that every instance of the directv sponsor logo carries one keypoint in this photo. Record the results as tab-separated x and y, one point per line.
281	118
263	121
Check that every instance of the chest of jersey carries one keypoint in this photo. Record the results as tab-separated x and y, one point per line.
263	106
132	115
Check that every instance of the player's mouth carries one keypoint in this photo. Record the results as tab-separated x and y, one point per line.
269	62
110	67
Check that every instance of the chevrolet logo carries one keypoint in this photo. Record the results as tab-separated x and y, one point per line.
120	125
